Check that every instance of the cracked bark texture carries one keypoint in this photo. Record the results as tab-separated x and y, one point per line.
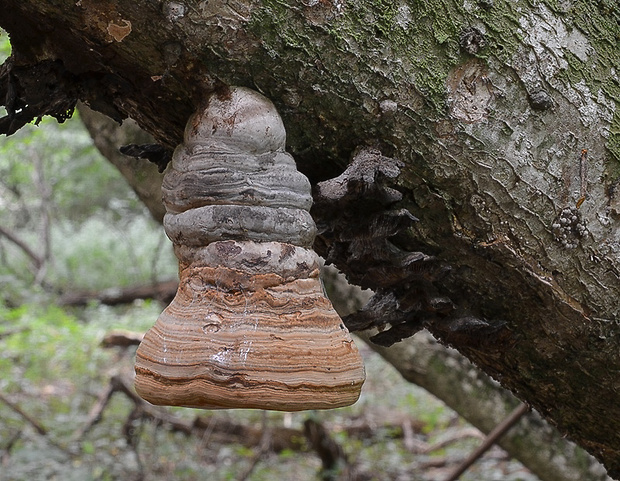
489	105
480	400
476	397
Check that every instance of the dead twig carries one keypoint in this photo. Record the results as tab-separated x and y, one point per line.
490	440
224	431
262	450
335	463
38	427
95	414
162	291
9	446
37	260
44	188
144	410
25	416
10	332
122	338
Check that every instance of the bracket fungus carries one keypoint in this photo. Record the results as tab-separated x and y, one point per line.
250	326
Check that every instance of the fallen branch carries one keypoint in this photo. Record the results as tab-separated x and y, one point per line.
9	446
146	410
38	427
162	291
36	259
497	454
268	439
421	447
281	438
25	416
490	440
94	416
122	338
336	466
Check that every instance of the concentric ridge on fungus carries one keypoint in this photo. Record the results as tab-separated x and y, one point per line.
250	326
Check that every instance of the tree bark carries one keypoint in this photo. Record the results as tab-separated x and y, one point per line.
420	360
482	402
141	176
476	397
504	115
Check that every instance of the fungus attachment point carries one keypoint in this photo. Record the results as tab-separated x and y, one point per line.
249	326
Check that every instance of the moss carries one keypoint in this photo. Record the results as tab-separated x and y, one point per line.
600	23
374	35
423	39
269	24
409	42
417	43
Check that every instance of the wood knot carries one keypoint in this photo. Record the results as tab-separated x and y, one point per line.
472	40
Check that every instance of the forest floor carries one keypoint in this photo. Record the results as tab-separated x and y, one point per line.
68	412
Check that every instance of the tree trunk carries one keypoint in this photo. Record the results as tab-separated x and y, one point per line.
478	399
141	176
420	360
503	115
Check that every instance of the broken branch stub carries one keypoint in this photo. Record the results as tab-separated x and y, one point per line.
249	326
357	219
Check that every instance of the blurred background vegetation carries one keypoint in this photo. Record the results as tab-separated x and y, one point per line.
69	222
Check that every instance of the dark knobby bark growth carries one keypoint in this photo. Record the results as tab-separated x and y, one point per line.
33	91
357	218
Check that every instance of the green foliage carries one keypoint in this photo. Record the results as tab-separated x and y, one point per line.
65	161
48	344
57	191
118	253
5	46
50	333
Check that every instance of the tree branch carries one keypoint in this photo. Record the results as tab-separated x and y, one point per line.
490	440
489	130
37	260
